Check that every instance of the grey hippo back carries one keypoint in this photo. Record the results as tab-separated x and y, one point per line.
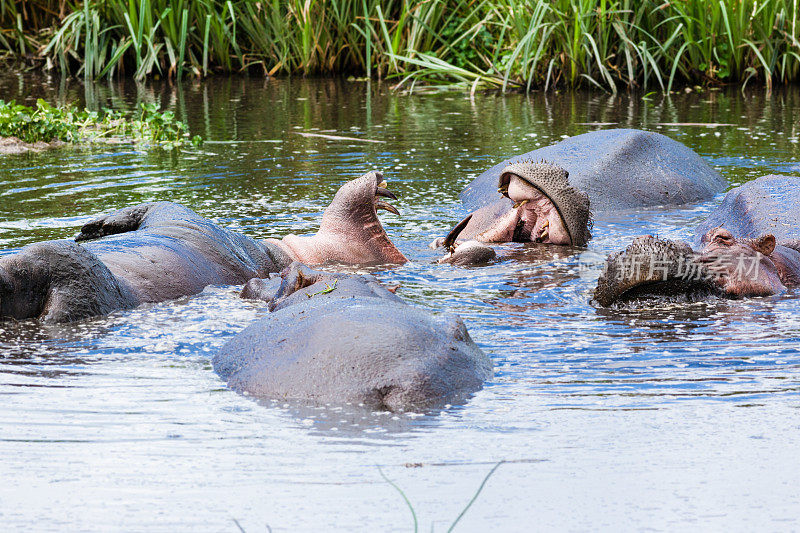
347	339
618	169
769	204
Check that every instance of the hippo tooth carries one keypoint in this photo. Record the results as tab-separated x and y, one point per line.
521	203
386	193
380	204
544	231
383	184
502	190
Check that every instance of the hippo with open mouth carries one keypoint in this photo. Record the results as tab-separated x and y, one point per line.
747	247
536	204
161	251
348	339
545	195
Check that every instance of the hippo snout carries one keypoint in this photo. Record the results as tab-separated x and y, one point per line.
654	268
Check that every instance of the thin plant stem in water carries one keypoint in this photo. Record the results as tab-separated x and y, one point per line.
463	511
403	494
475	496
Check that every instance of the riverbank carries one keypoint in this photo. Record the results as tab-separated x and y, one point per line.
611	45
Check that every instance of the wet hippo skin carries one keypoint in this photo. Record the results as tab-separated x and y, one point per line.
338	338
617	169
160	251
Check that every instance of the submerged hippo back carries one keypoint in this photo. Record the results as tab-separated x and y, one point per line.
347	339
767	205
383	354
173	252
618	169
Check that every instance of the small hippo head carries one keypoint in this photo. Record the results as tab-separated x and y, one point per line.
548	209
742	267
11	307
350	231
298	283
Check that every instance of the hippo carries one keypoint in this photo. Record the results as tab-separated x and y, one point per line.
738	254
545	195
160	251
536	203
343	338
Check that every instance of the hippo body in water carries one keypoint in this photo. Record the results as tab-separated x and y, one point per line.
161	251
546	195
767	205
617	169
748	246
338	338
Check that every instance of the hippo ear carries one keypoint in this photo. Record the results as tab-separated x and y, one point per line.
765	245
295	277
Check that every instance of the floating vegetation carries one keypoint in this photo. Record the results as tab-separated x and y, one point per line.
47	124
501	44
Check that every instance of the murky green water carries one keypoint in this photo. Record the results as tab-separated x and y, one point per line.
683	417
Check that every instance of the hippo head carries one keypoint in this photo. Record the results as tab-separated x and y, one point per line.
742	267
11	307
653	268
544	208
350	231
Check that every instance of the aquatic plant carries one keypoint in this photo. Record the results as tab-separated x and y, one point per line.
45	123
460	515
524	44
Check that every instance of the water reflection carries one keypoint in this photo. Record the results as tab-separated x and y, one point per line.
356	423
582	386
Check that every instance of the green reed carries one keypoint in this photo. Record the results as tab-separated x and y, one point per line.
521	44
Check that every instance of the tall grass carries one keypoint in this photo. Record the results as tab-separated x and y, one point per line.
523	44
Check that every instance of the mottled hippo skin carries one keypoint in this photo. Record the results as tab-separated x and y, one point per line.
161	251
546	195
747	247
337	338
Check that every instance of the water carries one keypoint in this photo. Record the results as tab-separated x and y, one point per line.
674	418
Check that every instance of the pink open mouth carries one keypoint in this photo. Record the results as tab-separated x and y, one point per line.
532	218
